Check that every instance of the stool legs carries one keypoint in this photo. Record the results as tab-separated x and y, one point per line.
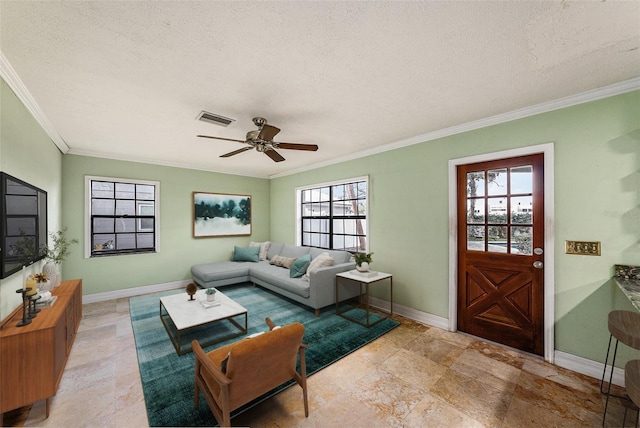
632	385
606	361
624	419
624	326
613	364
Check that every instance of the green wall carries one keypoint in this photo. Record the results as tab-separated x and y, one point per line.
27	153
597	197
178	249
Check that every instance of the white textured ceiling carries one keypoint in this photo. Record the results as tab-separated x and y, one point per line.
126	80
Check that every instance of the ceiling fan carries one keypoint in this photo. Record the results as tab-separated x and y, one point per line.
262	140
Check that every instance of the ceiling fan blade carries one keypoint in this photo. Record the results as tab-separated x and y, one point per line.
235	152
267	132
220	138
277	157
295	146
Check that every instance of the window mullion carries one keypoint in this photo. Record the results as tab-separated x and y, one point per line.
331	217
342	203
122	211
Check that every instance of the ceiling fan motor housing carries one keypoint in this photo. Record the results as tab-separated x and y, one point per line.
259	121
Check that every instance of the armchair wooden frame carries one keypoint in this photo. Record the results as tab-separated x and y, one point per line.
236	374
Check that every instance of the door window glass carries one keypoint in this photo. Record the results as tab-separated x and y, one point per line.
500	210
497	182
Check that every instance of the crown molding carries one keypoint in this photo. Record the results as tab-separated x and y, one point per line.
10	76
112	156
12	79
572	100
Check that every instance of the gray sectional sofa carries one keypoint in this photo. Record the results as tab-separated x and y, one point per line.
316	292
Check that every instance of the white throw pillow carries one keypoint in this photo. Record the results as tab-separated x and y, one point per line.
323	259
282	261
264	248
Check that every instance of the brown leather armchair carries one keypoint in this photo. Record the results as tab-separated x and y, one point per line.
235	374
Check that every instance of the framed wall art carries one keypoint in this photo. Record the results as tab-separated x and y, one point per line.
221	214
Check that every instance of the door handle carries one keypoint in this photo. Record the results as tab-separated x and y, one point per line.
538	264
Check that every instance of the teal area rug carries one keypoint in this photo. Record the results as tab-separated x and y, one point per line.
168	379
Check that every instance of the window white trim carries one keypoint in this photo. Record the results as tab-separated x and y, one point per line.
298	191
87	208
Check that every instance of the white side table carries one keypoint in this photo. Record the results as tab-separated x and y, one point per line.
363	279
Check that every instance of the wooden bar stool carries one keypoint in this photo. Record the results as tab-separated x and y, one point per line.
632	385
625	327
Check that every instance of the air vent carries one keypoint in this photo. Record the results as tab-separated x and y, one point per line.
215	118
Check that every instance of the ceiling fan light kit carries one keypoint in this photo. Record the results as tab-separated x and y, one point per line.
262	140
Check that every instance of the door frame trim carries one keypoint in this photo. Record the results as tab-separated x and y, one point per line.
547	150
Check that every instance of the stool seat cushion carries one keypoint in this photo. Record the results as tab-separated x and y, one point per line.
625	327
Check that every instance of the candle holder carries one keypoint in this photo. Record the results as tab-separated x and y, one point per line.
33	310
25	319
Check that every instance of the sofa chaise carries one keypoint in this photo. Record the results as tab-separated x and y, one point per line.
315	289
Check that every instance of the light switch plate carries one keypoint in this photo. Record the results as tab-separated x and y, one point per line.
582	248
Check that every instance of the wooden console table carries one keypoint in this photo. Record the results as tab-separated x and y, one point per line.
33	357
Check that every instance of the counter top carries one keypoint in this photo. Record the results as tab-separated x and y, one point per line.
628	280
631	289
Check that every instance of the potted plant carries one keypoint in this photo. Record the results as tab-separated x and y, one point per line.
56	255
42	281
211	294
362	261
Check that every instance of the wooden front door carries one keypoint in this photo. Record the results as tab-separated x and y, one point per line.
501	251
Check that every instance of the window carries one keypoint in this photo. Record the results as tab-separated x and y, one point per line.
334	215
506	195
122	216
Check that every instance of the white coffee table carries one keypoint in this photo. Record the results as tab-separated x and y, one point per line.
180	315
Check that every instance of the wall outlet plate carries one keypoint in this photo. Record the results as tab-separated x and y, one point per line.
582	248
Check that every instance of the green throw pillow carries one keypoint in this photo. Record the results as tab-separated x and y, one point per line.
299	267
246	254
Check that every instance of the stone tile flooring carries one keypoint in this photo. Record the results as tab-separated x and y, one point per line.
414	376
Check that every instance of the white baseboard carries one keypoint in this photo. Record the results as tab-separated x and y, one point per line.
135	291
423	317
561	359
587	367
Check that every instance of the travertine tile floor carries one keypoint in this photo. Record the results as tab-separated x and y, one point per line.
414	376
